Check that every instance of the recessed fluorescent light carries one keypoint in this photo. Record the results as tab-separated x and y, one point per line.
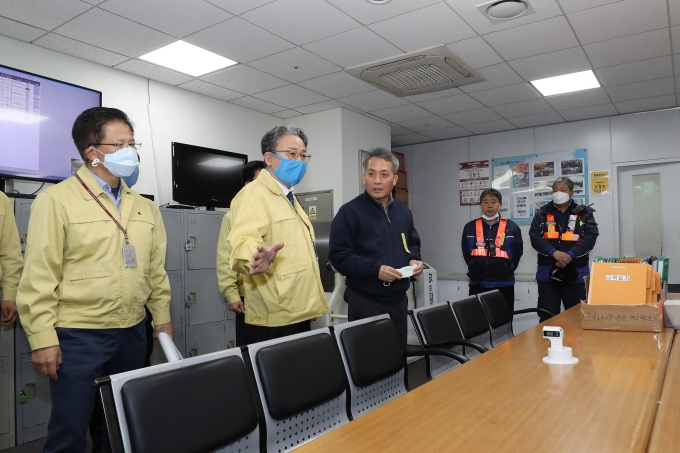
567	83
187	58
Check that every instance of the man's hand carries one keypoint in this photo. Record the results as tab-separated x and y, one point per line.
236	307
419	267
160	328
9	312
263	258
389	274
562	258
46	361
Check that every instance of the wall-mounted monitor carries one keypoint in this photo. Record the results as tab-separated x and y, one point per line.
36	117
205	176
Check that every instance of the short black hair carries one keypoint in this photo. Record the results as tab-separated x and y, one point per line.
271	139
88	128
493	193
249	169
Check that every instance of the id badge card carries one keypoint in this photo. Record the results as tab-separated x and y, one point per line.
572	222
129	257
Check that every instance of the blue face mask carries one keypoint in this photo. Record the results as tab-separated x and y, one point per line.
121	163
290	172
132	179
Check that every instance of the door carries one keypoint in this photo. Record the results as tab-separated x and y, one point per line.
203	297
203	229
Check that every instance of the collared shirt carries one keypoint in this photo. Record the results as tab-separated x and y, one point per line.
284	189
109	190
390	199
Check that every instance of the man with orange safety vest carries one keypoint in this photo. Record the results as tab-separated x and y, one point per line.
492	247
563	233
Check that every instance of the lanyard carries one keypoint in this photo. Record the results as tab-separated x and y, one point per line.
105	210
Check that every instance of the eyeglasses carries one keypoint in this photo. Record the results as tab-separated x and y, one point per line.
134	146
294	155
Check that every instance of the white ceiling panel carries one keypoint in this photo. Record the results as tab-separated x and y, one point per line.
373	100
79	49
301	21
473	116
675	36
239	40
111	32
452	104
638	71
239	6
366	13
448	133
585	98
506	95
409	139
619	19
496	76
285	114
402	113
353	48
467	9
295	65
533	107
434	95
320	107
537	120
208	89
150	71
551	64
427	124
476	52
291	96
491	126
645	105
584	113
337	85
571	6
427	27
639	90
22	32
257	104
94	2
533	39
396	129
629	48
45	14
676	59
244	79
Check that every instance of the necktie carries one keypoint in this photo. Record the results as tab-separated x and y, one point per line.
290	198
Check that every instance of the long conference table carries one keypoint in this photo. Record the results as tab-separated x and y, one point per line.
508	400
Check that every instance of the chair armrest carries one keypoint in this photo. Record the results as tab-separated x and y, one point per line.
446	344
533	310
444	352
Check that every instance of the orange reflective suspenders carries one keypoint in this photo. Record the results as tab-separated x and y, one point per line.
552	232
480	246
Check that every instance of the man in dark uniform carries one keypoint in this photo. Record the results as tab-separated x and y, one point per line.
563	233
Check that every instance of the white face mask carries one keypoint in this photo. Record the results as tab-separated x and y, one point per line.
560	197
490	217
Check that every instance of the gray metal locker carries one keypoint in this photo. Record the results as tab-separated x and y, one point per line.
173	230
203	231
204	301
22	210
176	279
206	338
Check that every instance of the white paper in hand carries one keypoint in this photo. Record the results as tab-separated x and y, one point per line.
407	271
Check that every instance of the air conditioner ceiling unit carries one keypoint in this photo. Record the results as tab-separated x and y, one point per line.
422	71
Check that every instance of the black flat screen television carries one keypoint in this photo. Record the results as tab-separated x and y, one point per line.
36	117
204	176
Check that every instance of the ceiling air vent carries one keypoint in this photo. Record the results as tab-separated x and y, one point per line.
422	71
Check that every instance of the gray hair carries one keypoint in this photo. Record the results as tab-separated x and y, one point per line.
271	139
565	180
381	153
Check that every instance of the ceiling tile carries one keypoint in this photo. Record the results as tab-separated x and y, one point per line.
257	104
111	32
426	124
645	105
451	104
79	49
551	64
537	120
525	108
533	39
619	19
239	40
373	100
353	48
427	27
496	76
638	71
239	6
285	114
675	12
366	13
301	21
639	90
448	133
150	71
676	59
675	36
584	113
291	96
506	95
396	129
94	2
208	89
337	85
244	79
475	52
295	65
491	126
467	9
22	32
320	107
177	18
473	116
629	48
409	139
586	98
402	113
570	6
45	14
434	95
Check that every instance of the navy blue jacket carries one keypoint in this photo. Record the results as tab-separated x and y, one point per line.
365	236
492	272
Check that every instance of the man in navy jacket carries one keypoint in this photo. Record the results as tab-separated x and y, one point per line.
372	237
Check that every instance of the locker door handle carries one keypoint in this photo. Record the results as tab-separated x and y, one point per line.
191	243
191	299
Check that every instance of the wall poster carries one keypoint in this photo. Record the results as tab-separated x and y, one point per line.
474	179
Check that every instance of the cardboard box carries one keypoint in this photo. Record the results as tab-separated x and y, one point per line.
400	157
402	180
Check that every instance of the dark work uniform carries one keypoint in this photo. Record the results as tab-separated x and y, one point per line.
364	236
550	293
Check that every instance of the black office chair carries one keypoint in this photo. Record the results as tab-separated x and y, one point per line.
375	362
473	322
200	404
436	327
303	387
500	317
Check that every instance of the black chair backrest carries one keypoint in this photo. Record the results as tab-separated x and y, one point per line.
471	316
496	308
439	324
162	409
300	374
